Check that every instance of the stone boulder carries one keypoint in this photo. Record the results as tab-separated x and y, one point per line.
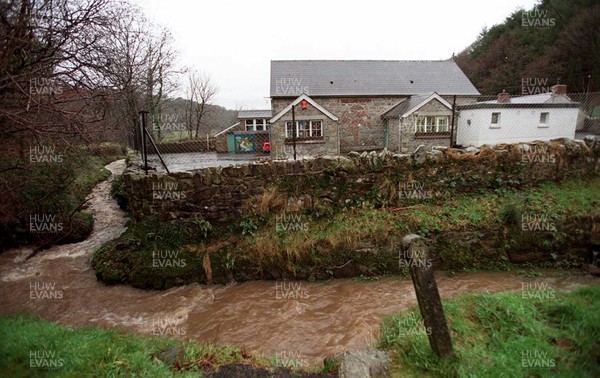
472	150
367	363
420	155
592	141
435	154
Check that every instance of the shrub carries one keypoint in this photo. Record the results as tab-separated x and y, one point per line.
119	192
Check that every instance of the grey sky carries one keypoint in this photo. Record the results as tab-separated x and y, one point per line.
234	41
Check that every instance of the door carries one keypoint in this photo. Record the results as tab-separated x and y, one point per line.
230	143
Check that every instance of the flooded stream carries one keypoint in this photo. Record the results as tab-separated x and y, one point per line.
305	319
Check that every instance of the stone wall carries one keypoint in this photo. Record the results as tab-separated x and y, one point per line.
361	126
328	145
229	194
402	135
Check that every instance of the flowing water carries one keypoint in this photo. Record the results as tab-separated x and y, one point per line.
306	320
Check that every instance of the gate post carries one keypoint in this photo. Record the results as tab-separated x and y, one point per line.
415	251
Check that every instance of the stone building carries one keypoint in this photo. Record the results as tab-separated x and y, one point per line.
341	106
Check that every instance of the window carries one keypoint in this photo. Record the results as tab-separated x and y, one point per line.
442	124
302	127
305	129
420	125
257	124
431	124
495	120
316	129
544	118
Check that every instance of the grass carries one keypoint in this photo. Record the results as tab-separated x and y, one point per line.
322	241
494	335
503	335
571	198
103	353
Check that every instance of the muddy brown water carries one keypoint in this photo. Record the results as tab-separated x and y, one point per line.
301	321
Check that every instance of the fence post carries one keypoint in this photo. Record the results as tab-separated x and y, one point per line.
142	114
415	251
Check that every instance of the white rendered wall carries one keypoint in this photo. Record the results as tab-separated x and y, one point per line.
516	125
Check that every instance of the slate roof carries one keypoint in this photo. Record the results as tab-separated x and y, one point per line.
291	78
542	100
254	114
405	105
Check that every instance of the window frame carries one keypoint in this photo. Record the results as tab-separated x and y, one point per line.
544	122
446	126
261	124
308	129
254	124
495	125
423	124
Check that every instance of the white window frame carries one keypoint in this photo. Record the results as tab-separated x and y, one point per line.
544	123
495	125
422	123
308	128
261	124
265	124
437	124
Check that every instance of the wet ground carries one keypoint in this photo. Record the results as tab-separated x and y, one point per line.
196	160
297	321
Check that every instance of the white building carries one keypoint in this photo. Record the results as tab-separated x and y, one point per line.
541	117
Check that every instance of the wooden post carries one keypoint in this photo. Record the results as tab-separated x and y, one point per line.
294	130
452	141
415	253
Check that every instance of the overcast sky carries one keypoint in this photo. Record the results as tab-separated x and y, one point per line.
234	41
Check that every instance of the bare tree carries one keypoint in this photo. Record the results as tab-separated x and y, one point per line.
200	93
160	75
140	68
70	68
39	45
44	94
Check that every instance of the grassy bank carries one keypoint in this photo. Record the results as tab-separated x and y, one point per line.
547	335
32	347
505	334
482	231
51	190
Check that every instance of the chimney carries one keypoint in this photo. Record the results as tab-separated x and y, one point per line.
503	97
559	89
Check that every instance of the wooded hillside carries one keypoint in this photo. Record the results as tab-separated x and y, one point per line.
557	40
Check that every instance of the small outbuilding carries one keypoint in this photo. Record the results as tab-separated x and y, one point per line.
542	117
248	135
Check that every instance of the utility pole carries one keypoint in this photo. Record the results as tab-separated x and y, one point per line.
452	127
294	129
